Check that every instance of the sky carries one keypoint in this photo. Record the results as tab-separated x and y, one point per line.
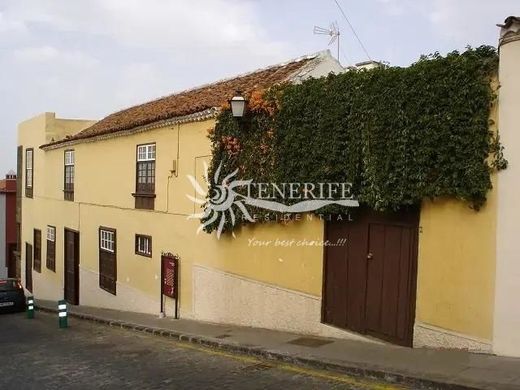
88	58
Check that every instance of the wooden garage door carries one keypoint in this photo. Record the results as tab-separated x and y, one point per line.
369	283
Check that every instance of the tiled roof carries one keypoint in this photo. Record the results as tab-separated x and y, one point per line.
7	186
194	100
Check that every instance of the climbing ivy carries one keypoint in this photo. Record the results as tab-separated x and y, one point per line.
399	135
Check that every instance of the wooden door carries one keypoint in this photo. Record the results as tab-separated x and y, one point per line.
344	276
71	266
108	260
28	267
37	255
369	283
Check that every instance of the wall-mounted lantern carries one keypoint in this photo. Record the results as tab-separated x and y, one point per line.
238	105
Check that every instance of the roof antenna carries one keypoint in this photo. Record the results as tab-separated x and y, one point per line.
332	31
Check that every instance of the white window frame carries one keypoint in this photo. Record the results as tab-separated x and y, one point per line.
29	167
70	161
69	158
107	240
146	152
144	246
51	233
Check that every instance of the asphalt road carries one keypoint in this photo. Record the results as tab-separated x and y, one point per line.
36	354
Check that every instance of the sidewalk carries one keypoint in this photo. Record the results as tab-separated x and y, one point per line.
419	368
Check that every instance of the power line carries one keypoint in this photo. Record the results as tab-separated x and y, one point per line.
344	55
353	30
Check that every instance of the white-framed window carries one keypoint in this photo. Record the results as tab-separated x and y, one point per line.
29	168
69	157
106	240
146	152
145	171
51	233
143	245
68	185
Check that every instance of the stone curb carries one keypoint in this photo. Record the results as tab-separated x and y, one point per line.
353	369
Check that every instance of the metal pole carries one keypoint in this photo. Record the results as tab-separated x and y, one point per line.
176	283
30	307
62	314
161	285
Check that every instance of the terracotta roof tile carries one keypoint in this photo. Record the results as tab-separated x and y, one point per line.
191	101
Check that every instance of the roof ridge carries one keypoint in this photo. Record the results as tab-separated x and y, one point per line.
312	56
316	55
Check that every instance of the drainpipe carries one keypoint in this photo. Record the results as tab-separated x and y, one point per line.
174	171
506	335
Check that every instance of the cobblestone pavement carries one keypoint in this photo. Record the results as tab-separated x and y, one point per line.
36	354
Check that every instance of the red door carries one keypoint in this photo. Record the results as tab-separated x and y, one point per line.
369	283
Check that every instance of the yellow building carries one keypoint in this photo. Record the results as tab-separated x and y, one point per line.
104	200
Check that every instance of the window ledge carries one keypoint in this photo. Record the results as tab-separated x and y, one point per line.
143	195
144	255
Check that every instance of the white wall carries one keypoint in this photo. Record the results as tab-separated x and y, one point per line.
321	67
506	337
226	298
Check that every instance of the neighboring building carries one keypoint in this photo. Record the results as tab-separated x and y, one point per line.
369	65
103	201
8	226
506	332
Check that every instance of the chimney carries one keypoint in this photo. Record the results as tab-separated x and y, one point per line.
506	337
11	175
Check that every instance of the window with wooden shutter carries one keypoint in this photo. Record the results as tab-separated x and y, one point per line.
68	187
107	259
37	250
29	172
51	248
145	177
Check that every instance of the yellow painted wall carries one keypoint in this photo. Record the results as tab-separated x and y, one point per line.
46	207
456	261
105	181
456	273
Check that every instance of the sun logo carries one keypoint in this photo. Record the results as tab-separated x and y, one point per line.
220	203
223	201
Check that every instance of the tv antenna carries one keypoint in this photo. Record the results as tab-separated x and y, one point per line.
332	32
